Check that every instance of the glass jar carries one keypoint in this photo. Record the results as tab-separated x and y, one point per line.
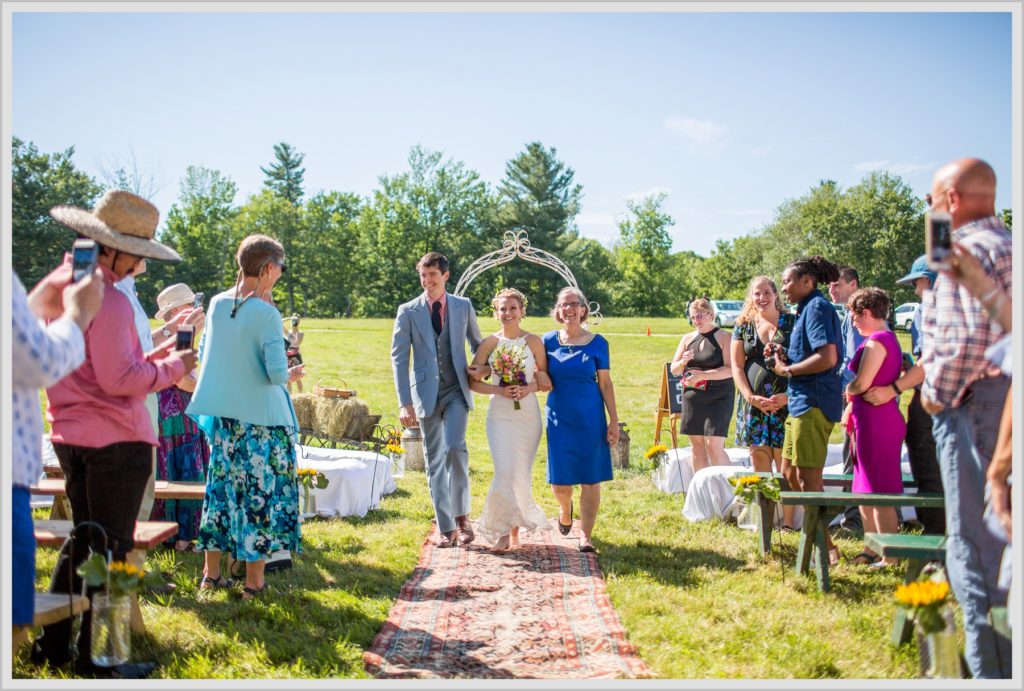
941	650
397	465
111	629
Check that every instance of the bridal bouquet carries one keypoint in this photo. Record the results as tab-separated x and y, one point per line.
508	363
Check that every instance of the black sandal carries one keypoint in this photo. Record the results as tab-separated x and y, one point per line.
564	529
865	558
253	592
205	583
236	568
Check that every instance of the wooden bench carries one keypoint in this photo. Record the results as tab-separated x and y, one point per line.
49	609
55	487
766	507
819	508
148	534
918	550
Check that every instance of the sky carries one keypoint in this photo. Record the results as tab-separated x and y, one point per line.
728	114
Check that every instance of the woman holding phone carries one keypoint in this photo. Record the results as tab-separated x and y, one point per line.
182	454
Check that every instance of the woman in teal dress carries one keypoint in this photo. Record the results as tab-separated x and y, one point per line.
579	437
251	505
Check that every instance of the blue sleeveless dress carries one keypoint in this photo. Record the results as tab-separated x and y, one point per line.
578	451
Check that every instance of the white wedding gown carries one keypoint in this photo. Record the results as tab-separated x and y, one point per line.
513	436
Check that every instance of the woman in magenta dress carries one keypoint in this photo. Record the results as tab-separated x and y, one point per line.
877	431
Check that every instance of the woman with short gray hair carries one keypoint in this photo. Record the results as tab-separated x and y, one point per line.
579	437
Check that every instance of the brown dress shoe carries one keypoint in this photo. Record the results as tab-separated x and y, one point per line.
466	534
447	540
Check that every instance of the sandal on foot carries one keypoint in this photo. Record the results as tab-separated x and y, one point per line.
788	529
562	528
833	556
865	558
253	592
236	568
207	583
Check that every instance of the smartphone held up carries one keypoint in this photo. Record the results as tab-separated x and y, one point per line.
938	239
84	254
184	338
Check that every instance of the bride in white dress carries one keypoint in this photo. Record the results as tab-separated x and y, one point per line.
513	435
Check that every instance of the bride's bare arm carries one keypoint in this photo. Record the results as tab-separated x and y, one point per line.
480	358
541	380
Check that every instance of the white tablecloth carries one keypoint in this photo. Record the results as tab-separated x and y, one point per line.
356	480
676	473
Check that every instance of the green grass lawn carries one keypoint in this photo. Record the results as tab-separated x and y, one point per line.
697	599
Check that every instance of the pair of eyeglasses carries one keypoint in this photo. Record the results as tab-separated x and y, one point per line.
566	305
700	315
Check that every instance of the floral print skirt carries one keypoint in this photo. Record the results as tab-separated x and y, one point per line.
251	508
757	428
182	455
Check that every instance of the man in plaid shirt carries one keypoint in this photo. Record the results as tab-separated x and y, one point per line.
966	398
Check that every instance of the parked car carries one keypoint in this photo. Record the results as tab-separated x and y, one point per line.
903	315
840	310
726	311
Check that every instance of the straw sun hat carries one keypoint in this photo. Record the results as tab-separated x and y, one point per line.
121	221
173	296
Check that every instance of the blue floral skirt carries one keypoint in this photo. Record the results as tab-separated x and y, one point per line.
251	508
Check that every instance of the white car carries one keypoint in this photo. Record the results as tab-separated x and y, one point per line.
904	314
726	311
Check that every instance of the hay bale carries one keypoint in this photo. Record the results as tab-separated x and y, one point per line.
334	416
305	410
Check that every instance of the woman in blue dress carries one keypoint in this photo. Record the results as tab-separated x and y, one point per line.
579	437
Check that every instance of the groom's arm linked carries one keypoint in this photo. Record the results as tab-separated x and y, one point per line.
401	346
477	372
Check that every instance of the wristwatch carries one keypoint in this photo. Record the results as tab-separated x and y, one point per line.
166	332
896	388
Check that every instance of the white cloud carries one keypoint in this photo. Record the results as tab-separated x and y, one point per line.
760	151
700	134
895	168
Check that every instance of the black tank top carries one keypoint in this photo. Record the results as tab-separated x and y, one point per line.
708	356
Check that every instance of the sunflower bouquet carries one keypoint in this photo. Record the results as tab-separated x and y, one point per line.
311	477
924	601
747	487
120	577
657	455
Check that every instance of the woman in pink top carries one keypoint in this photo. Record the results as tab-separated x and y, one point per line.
100	428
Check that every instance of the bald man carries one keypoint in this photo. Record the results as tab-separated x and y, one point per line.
965	396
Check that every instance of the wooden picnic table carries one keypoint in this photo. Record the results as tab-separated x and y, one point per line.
148	534
55	487
819	508
918	550
50	608
766	507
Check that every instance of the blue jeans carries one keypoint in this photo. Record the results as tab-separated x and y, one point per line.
965	439
23	558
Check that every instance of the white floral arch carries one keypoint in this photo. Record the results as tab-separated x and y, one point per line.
516	243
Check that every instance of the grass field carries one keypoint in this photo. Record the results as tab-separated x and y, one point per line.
697	599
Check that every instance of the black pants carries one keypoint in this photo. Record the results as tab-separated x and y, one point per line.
104	486
924	464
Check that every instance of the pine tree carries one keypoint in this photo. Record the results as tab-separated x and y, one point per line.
284	176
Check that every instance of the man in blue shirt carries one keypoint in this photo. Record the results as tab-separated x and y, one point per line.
815	389
840	291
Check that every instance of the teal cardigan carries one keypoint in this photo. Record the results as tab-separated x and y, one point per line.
243	367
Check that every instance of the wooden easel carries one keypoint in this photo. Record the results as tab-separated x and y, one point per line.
667	408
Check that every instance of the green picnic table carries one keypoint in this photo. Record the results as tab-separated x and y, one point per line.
918	550
820	507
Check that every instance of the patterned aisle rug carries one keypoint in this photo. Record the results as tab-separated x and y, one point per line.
536	613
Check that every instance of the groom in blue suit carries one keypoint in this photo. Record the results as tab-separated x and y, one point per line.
436	326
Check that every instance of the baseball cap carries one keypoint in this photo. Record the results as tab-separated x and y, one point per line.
918	270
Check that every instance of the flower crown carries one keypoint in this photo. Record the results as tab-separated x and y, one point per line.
506	293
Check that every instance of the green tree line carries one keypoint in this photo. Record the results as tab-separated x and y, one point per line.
354	256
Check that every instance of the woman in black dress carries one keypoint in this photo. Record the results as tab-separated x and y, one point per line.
704	360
